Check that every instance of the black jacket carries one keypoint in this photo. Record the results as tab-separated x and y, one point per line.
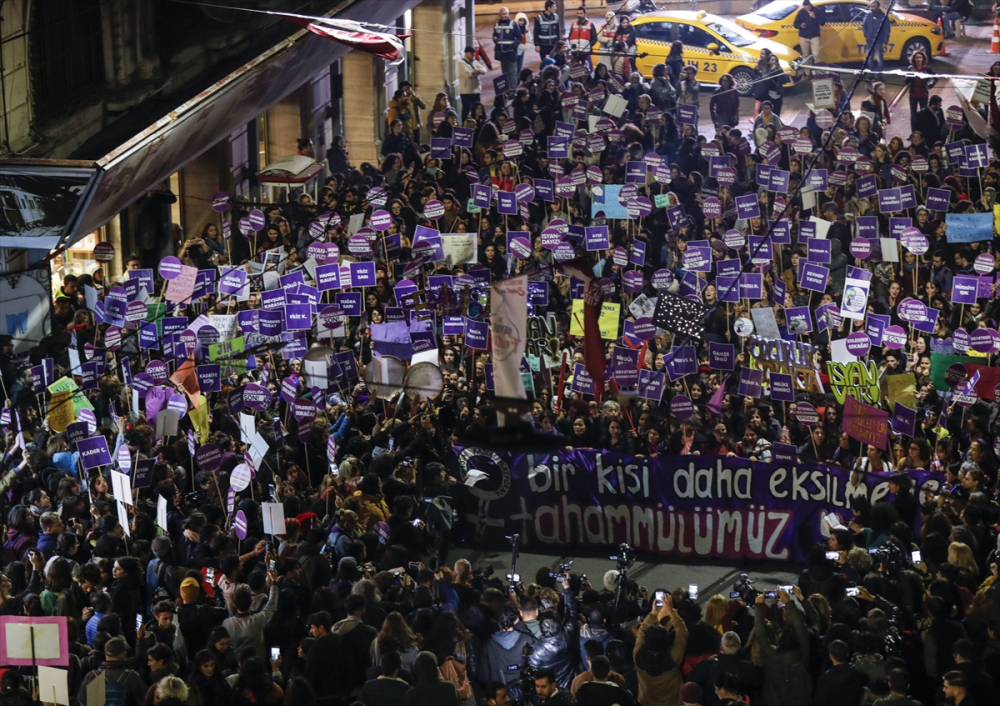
604	693
842	684
928	124
384	692
325	669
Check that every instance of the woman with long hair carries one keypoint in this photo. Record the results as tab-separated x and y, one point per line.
397	632
724	105
206	683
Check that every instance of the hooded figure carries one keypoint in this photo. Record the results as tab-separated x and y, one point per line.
431	688
161	576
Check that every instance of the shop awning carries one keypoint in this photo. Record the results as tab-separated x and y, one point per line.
80	198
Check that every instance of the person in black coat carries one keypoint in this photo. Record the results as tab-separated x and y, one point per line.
325	664
907	506
842	683
602	691
929	122
387	689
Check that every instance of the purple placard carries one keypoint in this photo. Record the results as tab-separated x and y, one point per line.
625	366
964	289
799	320
635	172
476	333
782	387
938	199
94	452
722	356
750	382
814	277
751	286
596	237
747	206
903	420
889	201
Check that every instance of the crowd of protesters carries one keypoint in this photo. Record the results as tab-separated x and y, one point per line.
359	600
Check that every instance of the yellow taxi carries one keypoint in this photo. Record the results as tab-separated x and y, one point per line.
841	37
715	45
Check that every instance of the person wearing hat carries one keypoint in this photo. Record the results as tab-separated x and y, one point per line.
469	83
196	620
123	685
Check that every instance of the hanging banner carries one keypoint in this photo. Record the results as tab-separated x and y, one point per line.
672	506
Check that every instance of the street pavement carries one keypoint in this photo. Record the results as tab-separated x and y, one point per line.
969	55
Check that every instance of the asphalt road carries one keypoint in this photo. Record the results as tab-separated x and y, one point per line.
711	578
968	55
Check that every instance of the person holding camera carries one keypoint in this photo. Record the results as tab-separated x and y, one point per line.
659	652
503	657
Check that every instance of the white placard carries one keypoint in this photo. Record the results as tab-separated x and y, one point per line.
161	512
53	685
274	518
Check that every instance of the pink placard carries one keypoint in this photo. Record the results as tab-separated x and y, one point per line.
15	647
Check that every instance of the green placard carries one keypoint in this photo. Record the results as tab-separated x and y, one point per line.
661	200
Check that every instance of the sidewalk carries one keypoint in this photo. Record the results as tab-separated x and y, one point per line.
968	55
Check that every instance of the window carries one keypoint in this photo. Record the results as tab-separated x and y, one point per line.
695	36
835	12
67	61
778	10
655	31
853	12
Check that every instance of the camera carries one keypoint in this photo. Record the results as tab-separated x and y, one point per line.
625	557
743	587
889	559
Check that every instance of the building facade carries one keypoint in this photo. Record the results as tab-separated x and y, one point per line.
105	102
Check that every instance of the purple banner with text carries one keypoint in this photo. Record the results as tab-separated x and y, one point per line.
704	506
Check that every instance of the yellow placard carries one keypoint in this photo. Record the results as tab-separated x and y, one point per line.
61	412
68	384
608	321
901	388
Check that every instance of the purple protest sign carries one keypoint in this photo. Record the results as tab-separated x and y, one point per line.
861	248
240	523
721	356
807	414
157	369
170	267
93	452
257	397
858	344
984	340
747	206
889	200
681	407
894	337
964	289
751	382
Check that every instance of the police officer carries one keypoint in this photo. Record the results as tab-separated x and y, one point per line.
546	30
506	38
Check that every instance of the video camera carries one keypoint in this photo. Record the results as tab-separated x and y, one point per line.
625	557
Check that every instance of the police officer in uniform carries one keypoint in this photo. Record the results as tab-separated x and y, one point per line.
546	30
506	38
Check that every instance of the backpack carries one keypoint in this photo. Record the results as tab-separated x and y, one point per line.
116	693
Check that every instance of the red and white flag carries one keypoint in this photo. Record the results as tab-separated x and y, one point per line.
388	46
